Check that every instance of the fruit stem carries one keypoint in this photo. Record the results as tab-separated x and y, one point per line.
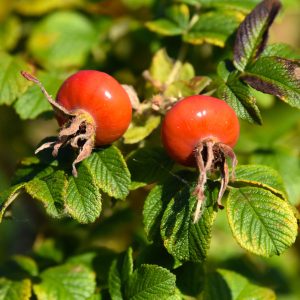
60	110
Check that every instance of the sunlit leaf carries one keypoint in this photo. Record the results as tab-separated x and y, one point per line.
50	191
12	84
10	32
276	76
74	282
82	198
228	285
109	171
62	40
15	290
138	132
214	28
150	282
238	96
260	221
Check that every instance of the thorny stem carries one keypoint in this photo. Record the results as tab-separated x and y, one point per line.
78	131
211	156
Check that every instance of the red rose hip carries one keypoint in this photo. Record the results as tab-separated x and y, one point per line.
200	131
93	110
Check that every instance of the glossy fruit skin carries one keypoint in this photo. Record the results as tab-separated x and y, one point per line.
101	96
194	119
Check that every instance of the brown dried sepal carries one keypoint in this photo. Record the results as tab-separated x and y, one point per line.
78	131
212	156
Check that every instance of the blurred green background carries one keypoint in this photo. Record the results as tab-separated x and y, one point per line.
110	36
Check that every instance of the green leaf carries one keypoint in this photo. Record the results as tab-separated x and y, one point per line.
213	27
138	132
31	167
260	176
15	290
148	165
228	285
161	66
184	239
37	7
281	50
26	264
72	282
252	35
50	191
109	171
239	97
12	84
158	199
83	199
180	14
10	32
176	24
8	197
287	164
190	278
261	222
62	40
276	76
33	102
119	273
164	27
239	5
185	88
150	282
48	249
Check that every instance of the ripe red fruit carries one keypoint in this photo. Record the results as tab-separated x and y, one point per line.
93	110
201	131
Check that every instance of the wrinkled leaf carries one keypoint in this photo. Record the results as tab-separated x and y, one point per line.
184	239
148	165
261	222
260	176
150	282
281	50
276	76
239	97
50	190
252	35
109	171
83	199
287	164
158	199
